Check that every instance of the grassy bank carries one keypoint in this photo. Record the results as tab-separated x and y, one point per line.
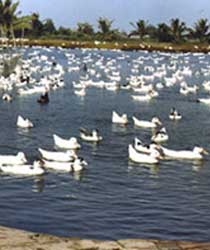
125	45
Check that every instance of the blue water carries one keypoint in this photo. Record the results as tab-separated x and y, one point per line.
112	198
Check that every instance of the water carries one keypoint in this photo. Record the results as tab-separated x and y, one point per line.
113	198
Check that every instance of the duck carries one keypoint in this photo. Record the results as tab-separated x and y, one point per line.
7	97
196	154
116	118
90	136
18	159
24	123
145	148
75	166
44	99
58	156
174	115
80	92
152	158
72	143
154	123
27	170
160	136
204	100
141	98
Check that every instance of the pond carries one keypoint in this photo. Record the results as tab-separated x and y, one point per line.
112	198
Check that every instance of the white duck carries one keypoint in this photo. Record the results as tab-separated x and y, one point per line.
154	123
81	92
204	100
116	118
58	156
174	115
160	136
135	156
195	154
24	123
18	159
141	98
7	97
34	169
77	165
72	143
144	148
90	137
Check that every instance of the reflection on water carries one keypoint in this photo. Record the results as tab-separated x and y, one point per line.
119	128
39	184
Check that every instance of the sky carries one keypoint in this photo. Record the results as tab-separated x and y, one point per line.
68	13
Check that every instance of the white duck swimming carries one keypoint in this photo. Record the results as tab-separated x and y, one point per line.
160	136
7	97
141	98
145	148
154	123
137	157
116	118
72	143
195	154
58	156
77	165
204	100
90	136
18	159
24	123
175	115
80	92
34	169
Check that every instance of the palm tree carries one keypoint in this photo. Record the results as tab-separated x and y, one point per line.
23	23
140	28
201	31
164	33
177	29
9	17
37	25
104	25
85	28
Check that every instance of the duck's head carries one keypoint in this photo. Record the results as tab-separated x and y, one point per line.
22	157
156	120
200	150
137	141
73	140
38	163
95	132
124	116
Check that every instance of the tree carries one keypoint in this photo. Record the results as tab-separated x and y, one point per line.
177	29
104	25
48	27
140	28
22	24
164	33
8	17
85	28
37	26
201	31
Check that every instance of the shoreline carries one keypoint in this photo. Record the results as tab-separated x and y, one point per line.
18	239
124	46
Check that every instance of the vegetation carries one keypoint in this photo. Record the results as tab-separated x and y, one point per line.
14	25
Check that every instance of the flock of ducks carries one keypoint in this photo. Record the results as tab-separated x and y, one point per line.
40	74
138	152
